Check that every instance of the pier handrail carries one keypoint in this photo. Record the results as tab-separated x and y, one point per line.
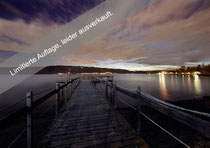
36	103
181	114
133	95
22	100
32	105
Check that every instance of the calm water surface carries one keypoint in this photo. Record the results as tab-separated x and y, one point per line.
36	83
167	87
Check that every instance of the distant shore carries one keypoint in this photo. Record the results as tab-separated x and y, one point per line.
98	70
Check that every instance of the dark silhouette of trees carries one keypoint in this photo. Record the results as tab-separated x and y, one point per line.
204	69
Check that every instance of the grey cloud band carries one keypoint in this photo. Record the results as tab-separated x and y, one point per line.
121	10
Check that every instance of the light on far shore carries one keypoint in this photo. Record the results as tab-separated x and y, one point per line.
162	73
197	73
183	73
99	73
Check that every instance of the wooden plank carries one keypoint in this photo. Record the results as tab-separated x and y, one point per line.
89	120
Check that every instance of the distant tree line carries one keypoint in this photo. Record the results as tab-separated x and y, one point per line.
203	69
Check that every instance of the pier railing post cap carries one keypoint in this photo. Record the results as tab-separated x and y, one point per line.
29	97
57	85
29	94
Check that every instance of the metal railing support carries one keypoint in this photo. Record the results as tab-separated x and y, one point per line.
62	90
29	101
94	81
57	98
115	95
106	90
69	87
65	92
111	93
168	109
139	98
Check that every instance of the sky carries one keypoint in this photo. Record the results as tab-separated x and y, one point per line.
165	35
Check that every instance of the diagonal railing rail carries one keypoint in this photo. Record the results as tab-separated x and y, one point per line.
60	87
191	118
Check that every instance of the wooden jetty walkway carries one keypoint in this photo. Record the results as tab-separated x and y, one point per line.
90	121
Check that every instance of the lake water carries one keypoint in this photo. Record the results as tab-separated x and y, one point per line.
164	87
36	83
167	87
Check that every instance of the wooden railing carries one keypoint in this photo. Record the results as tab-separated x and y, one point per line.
194	119
60	87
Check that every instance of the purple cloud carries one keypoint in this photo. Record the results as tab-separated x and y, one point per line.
5	38
195	9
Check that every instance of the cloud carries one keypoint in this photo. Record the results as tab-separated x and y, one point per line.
165	34
5	38
6	54
16	35
195	9
169	33
59	12
23	23
163	45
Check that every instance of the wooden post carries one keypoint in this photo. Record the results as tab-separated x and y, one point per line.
106	89
57	99
99	84
29	101
77	81
94	81
111	92
115	95
61	91
139	98
70	87
65	91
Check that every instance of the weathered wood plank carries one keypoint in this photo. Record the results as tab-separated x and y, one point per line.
90	121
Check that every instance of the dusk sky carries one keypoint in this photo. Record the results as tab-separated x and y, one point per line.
167	34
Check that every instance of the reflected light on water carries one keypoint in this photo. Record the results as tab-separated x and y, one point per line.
183	81
172	82
189	83
197	84
168	87
163	88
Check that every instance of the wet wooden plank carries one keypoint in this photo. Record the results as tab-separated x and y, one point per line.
89	121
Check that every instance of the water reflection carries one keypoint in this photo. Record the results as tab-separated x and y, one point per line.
197	84
168	87
163	88
183	82
189	83
172	82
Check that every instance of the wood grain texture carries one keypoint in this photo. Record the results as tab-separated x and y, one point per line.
89	121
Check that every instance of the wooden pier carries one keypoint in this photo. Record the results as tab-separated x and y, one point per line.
90	121
86	115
